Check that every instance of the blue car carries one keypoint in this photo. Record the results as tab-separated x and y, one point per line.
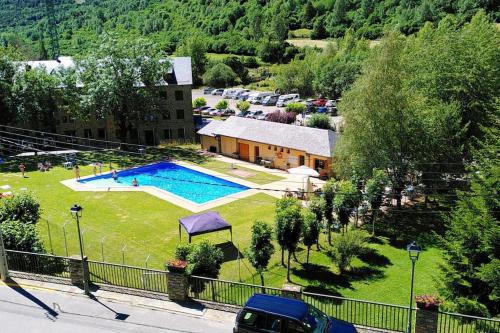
267	313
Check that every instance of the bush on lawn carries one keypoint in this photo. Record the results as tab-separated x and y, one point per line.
296	108
199	102
22	207
319	121
346	247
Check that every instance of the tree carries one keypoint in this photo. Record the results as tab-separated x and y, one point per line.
317	205
237	66
310	231
243	106
195	47
21	237
219	75
374	190
389	125
261	247
347	247
318	30
471	242
288	230
199	102
281	227
297	76
328	196
319	121
110	77
7	73
204	259
22	207
222	104
279	28
345	201
34	98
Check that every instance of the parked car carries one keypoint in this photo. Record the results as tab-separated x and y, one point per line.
200	109
330	103
319	102
230	92
256	98
208	111
255	114
270	100
321	109
244	96
208	90
262	116
243	113
217	92
268	313
286	99
239	93
226	112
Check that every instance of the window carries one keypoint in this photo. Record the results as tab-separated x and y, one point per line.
163	94
261	321
181	133
275	148
269	147
288	151
179	95
319	164
180	114
281	150
167	134
166	115
302	160
101	133
87	133
294	327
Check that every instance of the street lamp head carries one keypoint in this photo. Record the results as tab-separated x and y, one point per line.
76	211
413	250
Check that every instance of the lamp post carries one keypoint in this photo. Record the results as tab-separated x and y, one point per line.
76	212
413	252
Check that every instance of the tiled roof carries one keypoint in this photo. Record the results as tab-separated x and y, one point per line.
311	140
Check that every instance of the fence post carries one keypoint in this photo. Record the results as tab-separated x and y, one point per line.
78	273
426	321
291	291
4	269
177	285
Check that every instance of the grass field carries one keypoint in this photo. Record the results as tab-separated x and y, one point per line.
132	226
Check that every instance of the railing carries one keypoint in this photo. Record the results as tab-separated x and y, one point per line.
37	263
226	292
128	276
359	312
459	323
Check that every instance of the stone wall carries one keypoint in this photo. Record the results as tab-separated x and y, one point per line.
177	286
426	321
77	271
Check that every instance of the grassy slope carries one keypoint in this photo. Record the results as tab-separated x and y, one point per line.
147	225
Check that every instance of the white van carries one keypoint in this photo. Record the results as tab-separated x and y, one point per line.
257	98
284	100
237	94
227	92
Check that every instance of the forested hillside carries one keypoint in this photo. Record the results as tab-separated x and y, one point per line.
228	26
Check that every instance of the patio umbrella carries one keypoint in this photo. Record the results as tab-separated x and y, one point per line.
303	171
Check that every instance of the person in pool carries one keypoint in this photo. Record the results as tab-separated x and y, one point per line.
115	175
135	182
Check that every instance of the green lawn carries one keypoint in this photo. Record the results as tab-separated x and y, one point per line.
144	226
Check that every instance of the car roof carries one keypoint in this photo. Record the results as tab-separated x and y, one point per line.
281	306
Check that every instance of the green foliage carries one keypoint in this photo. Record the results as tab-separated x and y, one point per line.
7	73
471	307
238	67
204	259
22	207
243	106
318	120
317	206
328	197
288	229
21	237
199	102
310	230
296	108
195	47
346	247
219	75
345	201
261	247
297	76
276	51
222	104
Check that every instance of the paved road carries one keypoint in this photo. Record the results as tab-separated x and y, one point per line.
33	310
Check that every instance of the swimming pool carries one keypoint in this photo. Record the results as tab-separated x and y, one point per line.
187	183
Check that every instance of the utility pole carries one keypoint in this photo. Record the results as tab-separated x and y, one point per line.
4	270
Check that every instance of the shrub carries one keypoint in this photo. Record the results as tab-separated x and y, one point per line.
21	237
22	207
182	251
471	307
222	104
199	102
282	117
205	259
243	106
347	247
319	121
250	62
219	75
296	108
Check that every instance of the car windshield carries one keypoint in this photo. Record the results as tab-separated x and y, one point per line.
316	320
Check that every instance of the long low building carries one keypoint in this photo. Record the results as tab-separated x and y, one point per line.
282	146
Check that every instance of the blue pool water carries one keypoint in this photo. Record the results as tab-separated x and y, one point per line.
187	183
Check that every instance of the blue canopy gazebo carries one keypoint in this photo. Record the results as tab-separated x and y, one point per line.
204	223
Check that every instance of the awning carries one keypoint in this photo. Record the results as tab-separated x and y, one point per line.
204	223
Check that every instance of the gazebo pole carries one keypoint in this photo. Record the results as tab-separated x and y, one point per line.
231	231
179	232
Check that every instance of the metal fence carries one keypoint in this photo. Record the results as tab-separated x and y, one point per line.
128	276
37	263
459	323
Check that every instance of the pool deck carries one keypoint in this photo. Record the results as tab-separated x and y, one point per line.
275	189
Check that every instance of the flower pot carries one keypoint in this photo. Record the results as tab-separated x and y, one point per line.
177	266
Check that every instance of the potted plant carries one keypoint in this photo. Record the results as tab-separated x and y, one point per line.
428	302
177	266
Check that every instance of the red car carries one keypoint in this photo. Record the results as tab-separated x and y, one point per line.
320	102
